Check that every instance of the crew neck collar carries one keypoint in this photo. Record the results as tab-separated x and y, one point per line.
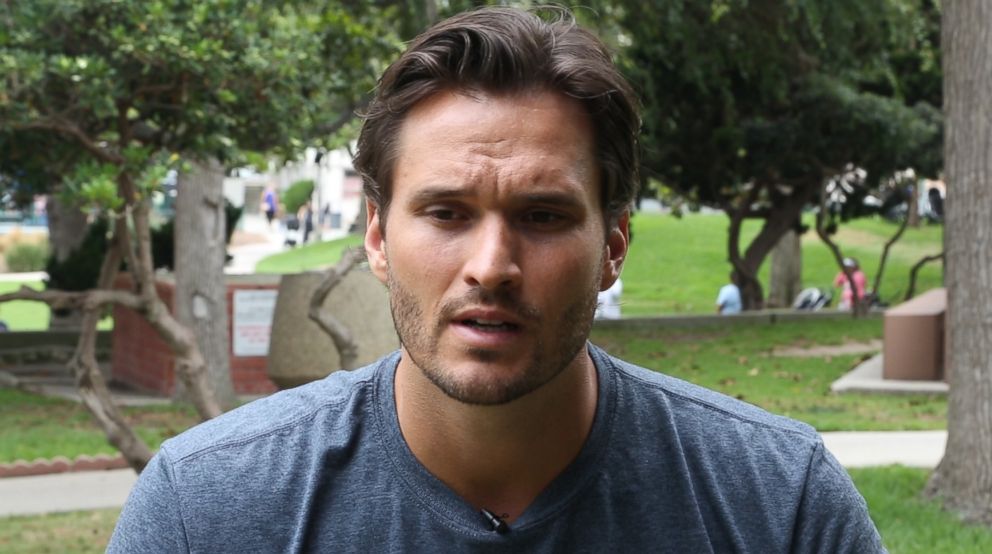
450	509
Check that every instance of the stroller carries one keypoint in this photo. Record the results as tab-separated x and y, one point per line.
813	299
292	226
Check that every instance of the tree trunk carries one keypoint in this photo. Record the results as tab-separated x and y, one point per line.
786	275
963	479
779	218
191	367
913	208
200	301
66	227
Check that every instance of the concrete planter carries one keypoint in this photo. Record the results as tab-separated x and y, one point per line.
300	351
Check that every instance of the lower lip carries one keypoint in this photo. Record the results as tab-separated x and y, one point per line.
483	338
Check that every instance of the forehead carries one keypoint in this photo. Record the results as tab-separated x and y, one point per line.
537	135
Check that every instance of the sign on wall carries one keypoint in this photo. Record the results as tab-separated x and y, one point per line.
252	326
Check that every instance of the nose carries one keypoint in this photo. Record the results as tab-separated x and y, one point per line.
492	261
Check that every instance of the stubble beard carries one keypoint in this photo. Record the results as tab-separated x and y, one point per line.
420	338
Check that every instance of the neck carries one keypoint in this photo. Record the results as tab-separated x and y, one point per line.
498	457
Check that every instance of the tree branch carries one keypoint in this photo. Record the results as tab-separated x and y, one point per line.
343	339
885	255
70	129
911	291
86	300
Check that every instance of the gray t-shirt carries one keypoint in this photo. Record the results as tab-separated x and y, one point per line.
668	467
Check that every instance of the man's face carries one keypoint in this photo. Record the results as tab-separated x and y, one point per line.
496	245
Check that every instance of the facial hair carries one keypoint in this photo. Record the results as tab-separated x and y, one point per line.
420	337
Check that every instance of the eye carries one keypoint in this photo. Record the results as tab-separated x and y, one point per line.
543	217
445	214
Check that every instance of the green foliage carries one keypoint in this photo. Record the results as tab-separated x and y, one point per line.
296	195
98	93
750	106
25	257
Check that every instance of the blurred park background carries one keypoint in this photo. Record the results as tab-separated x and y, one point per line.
779	138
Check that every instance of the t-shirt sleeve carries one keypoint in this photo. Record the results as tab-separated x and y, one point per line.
722	296
833	516
151	520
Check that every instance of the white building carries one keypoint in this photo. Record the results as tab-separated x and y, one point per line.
336	196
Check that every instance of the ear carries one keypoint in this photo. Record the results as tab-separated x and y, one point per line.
375	242
617	241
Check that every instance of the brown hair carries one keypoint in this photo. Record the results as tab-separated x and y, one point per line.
505	50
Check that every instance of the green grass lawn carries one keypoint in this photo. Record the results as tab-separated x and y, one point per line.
34	426
738	360
908	524
310	256
75	532
21	315
678	265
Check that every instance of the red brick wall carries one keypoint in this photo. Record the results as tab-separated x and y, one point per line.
143	360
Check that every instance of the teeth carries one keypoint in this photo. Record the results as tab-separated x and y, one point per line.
489	324
488	321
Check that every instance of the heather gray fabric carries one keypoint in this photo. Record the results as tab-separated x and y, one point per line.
668	467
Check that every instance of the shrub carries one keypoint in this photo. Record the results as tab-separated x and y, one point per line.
26	257
81	268
296	195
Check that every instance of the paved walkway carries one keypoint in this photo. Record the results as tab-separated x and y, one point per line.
66	492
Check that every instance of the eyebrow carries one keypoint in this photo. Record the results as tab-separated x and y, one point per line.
437	193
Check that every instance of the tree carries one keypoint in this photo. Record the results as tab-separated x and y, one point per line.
963	479
751	105
200	297
127	88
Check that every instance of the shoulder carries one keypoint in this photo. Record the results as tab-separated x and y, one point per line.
772	475
729	290
283	413
708	423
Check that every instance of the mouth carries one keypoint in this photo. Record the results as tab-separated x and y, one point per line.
489	325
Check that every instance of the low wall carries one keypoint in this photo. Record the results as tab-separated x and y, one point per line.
143	360
28	347
764	317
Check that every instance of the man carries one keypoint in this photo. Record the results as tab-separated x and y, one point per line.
728	300
498	159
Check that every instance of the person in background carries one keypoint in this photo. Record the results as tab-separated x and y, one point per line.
608	301
305	215
728	300
860	282
270	203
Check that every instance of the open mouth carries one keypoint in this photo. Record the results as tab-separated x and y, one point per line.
490	325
